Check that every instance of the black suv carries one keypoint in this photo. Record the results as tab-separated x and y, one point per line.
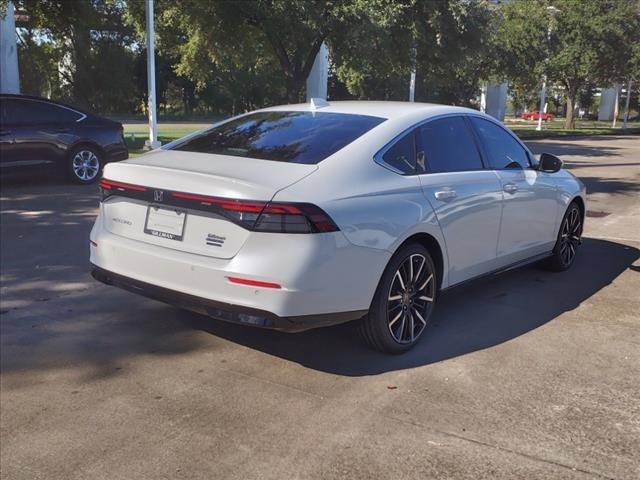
35	132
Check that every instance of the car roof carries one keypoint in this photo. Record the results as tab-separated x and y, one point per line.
42	99
383	109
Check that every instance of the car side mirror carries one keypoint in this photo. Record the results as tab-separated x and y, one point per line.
549	163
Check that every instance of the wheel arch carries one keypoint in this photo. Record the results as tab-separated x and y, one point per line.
578	200
85	143
433	247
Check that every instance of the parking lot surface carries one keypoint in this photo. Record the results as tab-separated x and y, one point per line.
527	375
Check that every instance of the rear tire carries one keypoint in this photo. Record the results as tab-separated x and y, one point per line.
84	164
569	238
403	302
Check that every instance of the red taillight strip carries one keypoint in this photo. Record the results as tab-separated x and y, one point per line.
253	283
282	209
109	184
267	216
247	206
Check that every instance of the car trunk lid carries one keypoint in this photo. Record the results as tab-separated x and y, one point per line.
157	213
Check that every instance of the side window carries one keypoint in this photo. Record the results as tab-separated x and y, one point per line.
33	112
65	115
402	155
3	111
48	113
447	145
503	150
16	112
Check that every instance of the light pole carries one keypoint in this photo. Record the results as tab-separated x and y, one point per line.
151	80
412	81
543	91
626	107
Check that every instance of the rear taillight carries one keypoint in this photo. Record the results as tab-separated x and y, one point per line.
259	216
294	218
113	185
274	217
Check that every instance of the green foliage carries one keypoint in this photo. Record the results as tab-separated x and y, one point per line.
585	42
38	65
452	49
229	56
79	51
254	50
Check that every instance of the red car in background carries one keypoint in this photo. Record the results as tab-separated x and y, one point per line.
536	116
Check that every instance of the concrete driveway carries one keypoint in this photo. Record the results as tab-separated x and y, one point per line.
529	375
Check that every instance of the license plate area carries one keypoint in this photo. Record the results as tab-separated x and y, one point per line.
165	222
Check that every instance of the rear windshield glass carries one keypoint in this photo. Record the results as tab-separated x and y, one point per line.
297	137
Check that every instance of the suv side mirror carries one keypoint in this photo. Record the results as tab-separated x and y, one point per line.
549	163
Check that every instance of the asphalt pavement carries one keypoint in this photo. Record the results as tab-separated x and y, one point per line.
530	375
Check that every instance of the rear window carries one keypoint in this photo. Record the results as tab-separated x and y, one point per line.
296	137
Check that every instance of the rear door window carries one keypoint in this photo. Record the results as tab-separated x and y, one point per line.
447	145
504	151
283	136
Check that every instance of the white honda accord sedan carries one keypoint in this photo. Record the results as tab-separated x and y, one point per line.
301	216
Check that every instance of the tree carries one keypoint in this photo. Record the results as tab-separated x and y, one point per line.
373	55
90	45
587	41
38	64
456	48
234	37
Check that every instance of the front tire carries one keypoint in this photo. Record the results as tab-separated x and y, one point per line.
403	302
569	238
84	165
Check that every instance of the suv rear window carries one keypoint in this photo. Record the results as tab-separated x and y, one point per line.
296	137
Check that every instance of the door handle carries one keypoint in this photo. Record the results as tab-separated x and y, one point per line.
61	130
510	187
445	194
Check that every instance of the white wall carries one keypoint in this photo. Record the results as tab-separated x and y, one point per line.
319	75
9	78
494	101
608	103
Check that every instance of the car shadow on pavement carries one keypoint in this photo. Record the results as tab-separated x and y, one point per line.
53	315
470	318
562	147
573	149
35	178
610	185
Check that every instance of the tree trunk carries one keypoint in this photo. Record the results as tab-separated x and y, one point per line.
570	121
295	68
81	89
294	88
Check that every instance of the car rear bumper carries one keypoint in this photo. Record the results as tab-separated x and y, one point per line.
224	311
320	276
